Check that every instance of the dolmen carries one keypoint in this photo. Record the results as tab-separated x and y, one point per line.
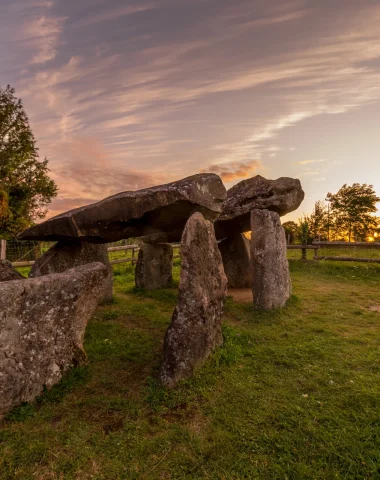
196	211
64	280
157	215
256	205
42	325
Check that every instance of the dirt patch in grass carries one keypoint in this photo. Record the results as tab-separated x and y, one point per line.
241	294
374	308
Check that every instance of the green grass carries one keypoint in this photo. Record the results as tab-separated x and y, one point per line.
356	252
293	394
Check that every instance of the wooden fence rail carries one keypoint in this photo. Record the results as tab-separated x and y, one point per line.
133	259
315	247
347	244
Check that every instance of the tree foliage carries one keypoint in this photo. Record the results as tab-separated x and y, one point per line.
352	209
25	187
291	230
350	215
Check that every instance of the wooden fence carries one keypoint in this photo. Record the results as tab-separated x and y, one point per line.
346	245
316	246
133	259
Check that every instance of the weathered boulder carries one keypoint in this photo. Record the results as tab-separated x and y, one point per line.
195	330
65	255
7	272
282	196
42	324
154	266
271	284
162	209
236	255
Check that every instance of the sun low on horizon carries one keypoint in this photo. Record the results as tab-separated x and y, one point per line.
124	95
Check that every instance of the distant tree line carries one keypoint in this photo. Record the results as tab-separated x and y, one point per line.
348	215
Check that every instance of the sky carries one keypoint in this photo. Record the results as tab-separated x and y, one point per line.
123	95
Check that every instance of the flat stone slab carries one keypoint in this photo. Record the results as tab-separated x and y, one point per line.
159	212
196	327
282	196
271	283
69	254
42	325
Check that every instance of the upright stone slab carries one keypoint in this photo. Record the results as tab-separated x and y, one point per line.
154	266
236	255
195	330
271	284
7	272
42	324
65	255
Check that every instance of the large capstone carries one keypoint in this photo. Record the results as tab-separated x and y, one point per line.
42	324
281	196
271	284
154	266
7	272
65	255
236	255
196	327
158	210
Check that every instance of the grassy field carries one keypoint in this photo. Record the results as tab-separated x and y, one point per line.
355	252
293	394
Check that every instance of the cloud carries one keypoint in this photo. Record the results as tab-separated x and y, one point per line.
43	34
86	173
306	162
112	14
180	87
234	170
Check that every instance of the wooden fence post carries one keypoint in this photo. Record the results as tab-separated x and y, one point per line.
3	250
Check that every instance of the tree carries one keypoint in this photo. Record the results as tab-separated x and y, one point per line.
25	187
303	230
352	209
319	221
291	230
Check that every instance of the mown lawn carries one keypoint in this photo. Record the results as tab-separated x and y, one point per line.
293	394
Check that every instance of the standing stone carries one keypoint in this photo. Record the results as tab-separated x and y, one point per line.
196	327
42	324
271	284
7	272
65	255
154	266
236	255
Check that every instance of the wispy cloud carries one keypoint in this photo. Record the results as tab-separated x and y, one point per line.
110	14
183	86
307	162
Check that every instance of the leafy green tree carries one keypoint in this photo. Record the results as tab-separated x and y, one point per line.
25	187
352	209
319	221
304	230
